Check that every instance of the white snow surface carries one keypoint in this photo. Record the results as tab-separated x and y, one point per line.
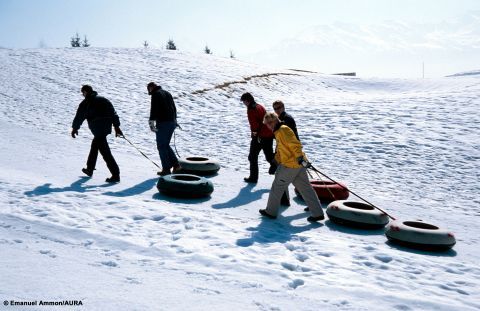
409	146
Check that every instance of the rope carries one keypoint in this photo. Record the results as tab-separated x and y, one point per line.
174	142
318	172
320	178
123	136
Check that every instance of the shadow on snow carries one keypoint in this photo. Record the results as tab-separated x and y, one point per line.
245	196
76	186
278	230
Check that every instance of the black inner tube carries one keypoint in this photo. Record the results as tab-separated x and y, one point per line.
197	159
185	177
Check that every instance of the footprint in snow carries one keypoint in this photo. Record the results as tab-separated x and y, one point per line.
157	218
138	217
109	263
296	283
48	252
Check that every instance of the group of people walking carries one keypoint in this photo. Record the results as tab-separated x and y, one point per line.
288	163
101	116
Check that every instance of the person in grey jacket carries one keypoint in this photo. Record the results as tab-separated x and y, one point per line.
100	115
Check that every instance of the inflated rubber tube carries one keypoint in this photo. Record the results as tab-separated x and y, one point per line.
202	166
324	190
356	214
185	186
420	235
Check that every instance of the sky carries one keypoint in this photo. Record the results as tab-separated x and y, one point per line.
254	30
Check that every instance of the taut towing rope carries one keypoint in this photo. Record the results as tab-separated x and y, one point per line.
123	136
318	172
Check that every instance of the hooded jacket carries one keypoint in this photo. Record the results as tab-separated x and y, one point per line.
99	113
289	148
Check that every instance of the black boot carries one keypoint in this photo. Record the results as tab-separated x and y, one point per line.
315	219
264	213
113	179
87	172
250	180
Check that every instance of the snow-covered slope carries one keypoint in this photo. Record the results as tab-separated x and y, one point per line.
409	146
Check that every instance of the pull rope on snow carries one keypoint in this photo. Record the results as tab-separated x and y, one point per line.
323	182
318	172
123	136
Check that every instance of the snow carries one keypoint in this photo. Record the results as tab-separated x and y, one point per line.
409	146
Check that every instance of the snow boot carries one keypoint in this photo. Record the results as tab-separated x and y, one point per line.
264	213
164	173
250	180
315	219
113	179
87	172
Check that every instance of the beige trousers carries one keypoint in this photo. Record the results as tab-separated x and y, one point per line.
299	178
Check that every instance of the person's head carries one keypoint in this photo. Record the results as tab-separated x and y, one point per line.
86	90
278	106
151	87
271	120
247	99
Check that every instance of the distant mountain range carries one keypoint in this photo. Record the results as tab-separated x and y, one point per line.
392	48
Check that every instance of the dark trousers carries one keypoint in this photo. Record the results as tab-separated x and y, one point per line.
256	145
164	136
101	144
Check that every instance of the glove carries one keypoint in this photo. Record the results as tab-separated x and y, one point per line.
301	160
118	132
273	167
253	134
152	125
74	133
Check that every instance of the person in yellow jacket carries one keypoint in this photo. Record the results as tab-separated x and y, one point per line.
292	164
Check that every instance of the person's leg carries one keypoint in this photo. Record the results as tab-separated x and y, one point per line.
303	186
92	156
172	158
108	157
283	177
164	135
267	146
255	148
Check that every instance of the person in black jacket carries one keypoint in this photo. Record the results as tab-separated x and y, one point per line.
284	117
163	121
100	115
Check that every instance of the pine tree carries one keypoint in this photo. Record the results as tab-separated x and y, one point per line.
231	54
75	41
85	43
171	45
207	50
145	44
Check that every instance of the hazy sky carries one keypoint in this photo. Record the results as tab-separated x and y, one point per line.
246	27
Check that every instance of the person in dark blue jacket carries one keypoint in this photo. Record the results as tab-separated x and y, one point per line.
100	115
163	121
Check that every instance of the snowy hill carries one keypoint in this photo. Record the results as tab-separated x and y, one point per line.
409	146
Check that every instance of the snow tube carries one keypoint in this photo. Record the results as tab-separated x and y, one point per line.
356	214
420	235
324	190
185	186
199	165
